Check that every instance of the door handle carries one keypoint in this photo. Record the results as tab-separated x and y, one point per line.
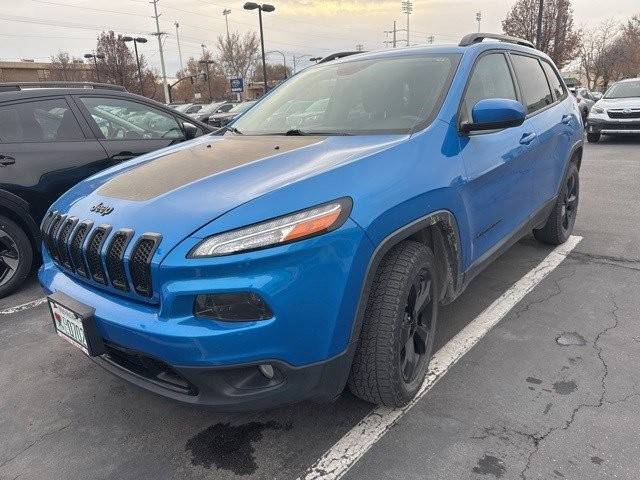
527	138
566	119
6	160
126	155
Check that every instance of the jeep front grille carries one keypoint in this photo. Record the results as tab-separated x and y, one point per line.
97	254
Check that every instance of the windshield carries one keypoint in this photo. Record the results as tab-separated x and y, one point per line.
241	107
369	96
624	90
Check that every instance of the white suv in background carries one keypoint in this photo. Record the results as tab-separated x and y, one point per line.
617	112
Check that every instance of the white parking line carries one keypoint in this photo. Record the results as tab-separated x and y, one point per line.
352	446
24	306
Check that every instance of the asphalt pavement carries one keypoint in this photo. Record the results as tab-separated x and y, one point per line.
550	392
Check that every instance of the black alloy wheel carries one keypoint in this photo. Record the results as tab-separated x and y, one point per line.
9	257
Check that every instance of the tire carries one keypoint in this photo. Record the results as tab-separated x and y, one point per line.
396	341
560	223
16	256
593	137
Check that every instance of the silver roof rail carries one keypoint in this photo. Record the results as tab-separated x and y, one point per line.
472	38
17	86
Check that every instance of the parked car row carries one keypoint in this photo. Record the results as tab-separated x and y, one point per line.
51	138
617	112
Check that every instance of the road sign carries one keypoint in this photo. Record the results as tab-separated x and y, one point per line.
237	84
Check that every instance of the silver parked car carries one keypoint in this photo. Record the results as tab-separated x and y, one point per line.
617	112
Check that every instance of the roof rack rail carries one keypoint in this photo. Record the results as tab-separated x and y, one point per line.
472	38
17	86
335	56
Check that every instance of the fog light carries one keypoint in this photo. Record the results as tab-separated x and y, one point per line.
234	307
266	370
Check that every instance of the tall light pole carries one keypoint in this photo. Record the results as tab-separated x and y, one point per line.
206	63
95	62
159	34
479	20
226	13
178	40
539	29
407	8
265	7
136	41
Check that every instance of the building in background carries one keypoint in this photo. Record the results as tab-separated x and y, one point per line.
30	71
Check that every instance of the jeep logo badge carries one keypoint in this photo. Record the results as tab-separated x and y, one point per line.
102	209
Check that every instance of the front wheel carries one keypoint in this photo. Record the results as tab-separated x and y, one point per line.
560	223
16	256
593	137
396	342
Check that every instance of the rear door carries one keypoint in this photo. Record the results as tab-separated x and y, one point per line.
548	119
128	128
45	149
498	163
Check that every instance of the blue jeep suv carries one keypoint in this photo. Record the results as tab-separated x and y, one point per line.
299	253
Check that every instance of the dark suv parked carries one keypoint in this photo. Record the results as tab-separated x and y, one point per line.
54	135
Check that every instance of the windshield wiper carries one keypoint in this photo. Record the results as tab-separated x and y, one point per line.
234	130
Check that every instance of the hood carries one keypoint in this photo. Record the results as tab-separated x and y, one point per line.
606	103
183	189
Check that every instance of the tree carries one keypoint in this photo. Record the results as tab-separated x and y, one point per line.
68	69
196	83
275	72
237	54
119	66
558	39
596	43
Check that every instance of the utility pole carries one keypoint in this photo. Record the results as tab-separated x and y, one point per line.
539	29
226	13
204	49
159	34
359	47
479	19
394	32
430	39
179	50
407	8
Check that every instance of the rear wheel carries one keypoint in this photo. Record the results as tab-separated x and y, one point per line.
560	223
16	256
593	137
398	329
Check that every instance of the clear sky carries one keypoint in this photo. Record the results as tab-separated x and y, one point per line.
36	29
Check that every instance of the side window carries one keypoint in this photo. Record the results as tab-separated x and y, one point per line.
39	121
533	83
554	81
120	119
491	78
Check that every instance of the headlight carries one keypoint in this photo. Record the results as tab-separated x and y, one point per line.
288	228
598	110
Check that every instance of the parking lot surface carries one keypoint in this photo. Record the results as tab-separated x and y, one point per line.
550	392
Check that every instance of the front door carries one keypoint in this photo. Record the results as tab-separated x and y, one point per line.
127	128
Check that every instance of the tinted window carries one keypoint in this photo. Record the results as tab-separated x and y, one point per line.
368	96
533	83
491	78
39	121
554	81
126	120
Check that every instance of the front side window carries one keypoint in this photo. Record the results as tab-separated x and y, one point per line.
533	83
120	119
624	90
39	121
369	96
491	78
554	81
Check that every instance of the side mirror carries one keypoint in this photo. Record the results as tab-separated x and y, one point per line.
190	130
494	114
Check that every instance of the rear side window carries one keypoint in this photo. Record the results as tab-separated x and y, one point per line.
533	83
39	121
491	78
554	81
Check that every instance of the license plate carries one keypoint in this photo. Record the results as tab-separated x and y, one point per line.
74	322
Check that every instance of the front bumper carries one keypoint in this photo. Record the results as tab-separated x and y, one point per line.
610	125
311	286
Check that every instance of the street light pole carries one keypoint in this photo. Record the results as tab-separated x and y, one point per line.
136	41
479	20
206	63
95	62
159	34
226	13
267	8
539	29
